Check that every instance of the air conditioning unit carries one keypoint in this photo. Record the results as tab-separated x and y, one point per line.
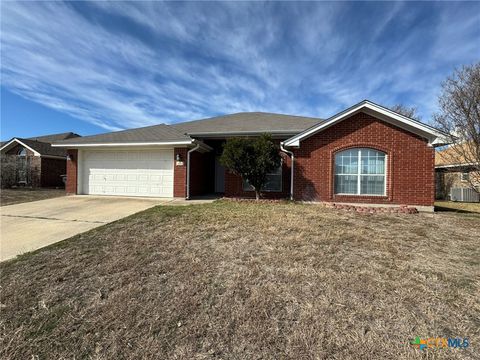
464	195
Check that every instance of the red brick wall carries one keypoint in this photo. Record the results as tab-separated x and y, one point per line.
180	173
15	150
72	172
410	162
52	169
234	185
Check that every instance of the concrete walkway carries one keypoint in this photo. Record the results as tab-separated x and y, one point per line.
30	226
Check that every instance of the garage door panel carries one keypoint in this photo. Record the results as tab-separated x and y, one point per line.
135	173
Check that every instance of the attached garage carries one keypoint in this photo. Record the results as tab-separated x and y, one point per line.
127	172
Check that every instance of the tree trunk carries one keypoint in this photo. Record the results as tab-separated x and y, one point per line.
257	195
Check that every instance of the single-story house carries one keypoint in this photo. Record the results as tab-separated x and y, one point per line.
33	161
457	174
365	154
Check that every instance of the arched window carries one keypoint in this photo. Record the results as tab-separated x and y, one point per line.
360	171
22	152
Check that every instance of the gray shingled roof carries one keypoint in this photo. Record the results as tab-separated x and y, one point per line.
252	122
153	133
42	144
248	122
54	137
43	148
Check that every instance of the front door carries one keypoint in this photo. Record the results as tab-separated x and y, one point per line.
219	176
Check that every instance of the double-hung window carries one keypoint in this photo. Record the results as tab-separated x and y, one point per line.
273	183
360	171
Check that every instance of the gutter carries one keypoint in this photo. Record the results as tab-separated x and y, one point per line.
456	165
292	156
119	144
244	133
188	168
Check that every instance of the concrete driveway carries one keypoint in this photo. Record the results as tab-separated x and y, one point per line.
30	226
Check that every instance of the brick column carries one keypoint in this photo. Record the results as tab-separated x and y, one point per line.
180	173
72	172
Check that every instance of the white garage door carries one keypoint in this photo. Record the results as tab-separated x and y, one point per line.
131	173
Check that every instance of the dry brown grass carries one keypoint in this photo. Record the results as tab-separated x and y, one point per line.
248	281
17	196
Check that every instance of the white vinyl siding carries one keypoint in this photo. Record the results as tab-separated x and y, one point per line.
128	173
360	171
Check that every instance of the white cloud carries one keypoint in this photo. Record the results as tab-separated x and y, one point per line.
121	64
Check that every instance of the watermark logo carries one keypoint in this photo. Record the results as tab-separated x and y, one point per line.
440	343
419	343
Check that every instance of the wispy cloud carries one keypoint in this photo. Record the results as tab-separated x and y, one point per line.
121	64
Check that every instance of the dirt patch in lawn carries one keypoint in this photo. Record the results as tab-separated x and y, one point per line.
248	281
17	196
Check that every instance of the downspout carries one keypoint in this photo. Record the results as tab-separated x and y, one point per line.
291	168
188	169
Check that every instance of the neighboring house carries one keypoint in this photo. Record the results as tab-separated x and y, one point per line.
453	172
365	154
33	161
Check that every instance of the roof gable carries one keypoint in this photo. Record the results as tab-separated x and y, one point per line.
40	145
38	148
434	136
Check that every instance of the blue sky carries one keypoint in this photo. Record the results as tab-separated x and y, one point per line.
91	67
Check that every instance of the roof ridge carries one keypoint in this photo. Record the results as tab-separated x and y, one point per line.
246	113
281	114
61	133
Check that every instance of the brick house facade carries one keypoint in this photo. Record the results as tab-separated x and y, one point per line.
405	149
34	162
410	160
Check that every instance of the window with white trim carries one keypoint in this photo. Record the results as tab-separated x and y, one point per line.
360	171
273	183
22	152
464	176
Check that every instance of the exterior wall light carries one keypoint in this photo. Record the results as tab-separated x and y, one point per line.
178	160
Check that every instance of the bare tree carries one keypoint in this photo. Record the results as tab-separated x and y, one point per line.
459	117
8	171
408	111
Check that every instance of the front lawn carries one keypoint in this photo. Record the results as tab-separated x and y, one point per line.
234	280
21	195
